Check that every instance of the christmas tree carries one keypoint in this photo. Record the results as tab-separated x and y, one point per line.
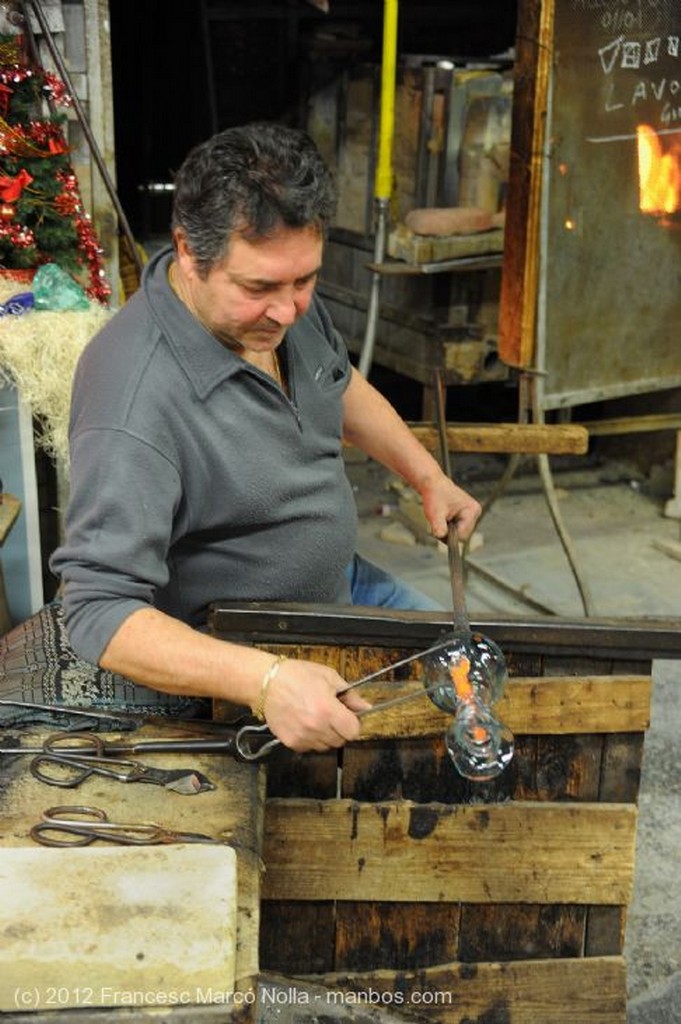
42	218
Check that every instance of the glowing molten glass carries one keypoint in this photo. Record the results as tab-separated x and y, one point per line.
473	673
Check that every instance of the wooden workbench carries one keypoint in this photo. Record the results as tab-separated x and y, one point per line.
385	873
446	900
234	808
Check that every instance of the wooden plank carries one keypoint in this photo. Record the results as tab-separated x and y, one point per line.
413	770
499	438
520	852
409	770
563	991
568	768
297	937
460	264
524	768
510	931
308	775
519	663
581	663
608	640
621	768
517	316
404	244
604	933
364	659
634	424
535	29
553	767
399	936
586	991
531	706
583	704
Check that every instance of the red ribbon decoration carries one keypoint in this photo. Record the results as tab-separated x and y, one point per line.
11	188
5	93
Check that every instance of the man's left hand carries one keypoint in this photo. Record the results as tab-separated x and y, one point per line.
444	502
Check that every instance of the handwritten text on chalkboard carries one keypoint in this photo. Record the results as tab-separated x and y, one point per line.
633	16
658	86
636	55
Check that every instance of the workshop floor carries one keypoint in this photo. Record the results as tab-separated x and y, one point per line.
622	539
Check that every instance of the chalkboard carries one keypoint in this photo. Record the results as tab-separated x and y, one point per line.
609	271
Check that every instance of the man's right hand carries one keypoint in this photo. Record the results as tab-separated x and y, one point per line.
303	711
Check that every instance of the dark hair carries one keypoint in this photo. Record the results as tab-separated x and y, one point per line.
252	179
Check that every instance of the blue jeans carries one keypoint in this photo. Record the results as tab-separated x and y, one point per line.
372	586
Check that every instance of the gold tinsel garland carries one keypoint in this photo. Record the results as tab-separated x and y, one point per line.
16	143
38	355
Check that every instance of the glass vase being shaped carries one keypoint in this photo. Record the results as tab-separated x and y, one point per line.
480	746
464	677
466	665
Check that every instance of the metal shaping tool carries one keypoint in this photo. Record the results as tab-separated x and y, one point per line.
462	625
256	741
59	766
77	744
118	721
80	825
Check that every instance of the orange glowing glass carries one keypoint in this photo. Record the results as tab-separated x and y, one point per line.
472	673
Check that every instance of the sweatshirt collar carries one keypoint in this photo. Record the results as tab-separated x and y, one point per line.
205	361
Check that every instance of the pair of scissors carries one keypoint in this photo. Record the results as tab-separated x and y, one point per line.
67	765
79	825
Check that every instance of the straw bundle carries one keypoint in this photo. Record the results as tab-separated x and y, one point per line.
38	355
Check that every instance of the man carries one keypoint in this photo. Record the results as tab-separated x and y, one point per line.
206	446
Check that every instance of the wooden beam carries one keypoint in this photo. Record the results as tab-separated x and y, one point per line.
520	852
562	991
519	282
552	705
404	244
634	424
508	438
398	268
280	625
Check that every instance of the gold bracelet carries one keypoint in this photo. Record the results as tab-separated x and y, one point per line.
259	707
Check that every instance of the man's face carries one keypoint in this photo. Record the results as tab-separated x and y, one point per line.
251	298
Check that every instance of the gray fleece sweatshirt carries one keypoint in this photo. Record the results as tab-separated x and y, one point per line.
194	478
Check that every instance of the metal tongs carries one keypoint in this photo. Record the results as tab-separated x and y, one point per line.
249	742
253	742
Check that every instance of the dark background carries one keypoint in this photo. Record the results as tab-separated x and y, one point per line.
267	57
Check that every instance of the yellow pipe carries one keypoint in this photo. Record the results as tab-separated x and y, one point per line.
384	175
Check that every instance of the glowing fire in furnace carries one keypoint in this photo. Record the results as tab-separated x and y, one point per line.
659	172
